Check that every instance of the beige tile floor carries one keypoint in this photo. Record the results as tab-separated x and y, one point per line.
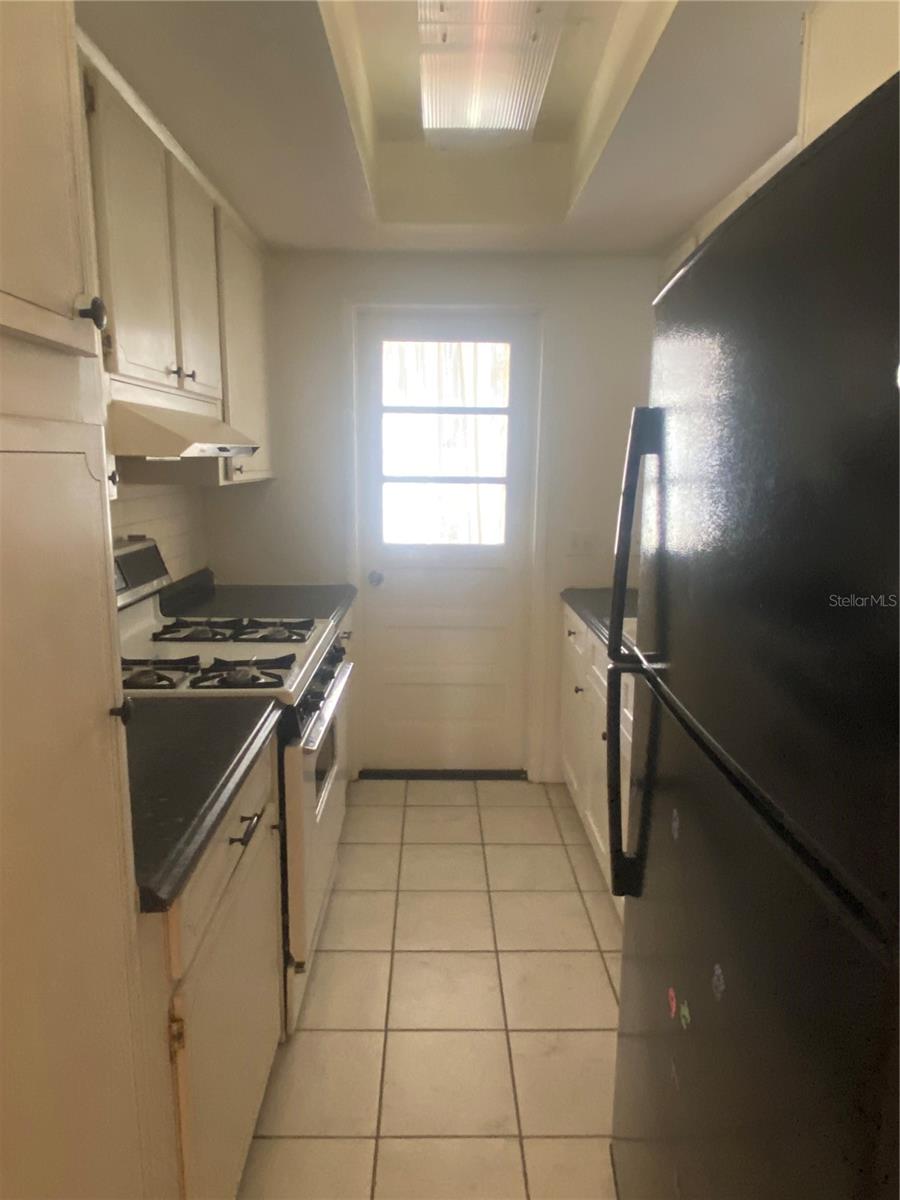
457	1038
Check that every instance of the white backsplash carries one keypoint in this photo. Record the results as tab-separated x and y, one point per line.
173	514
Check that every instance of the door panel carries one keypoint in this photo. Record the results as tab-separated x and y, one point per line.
44	267
770	520
130	192
242	316
443	511
754	1014
67	894
196	283
231	1005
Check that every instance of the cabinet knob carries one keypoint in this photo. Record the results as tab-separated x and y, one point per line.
603	736
113	478
375	578
570	633
123	711
578	690
237	470
96	312
191	375
176	371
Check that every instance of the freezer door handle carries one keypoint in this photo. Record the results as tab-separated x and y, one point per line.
644	437
626	870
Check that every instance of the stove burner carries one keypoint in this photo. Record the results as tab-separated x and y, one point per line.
283	663
157	674
198	629
245	677
258	630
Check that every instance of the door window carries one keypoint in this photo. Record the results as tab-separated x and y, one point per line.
444	442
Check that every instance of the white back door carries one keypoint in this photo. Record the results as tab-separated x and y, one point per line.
445	407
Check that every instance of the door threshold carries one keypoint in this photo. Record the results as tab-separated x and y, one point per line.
379	773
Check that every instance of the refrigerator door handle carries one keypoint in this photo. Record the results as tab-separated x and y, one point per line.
626	870
644	437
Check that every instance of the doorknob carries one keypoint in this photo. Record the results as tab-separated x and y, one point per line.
376	578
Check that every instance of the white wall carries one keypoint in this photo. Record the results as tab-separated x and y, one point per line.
597	328
850	48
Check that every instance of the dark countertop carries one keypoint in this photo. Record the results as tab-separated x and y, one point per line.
199	595
186	760
592	605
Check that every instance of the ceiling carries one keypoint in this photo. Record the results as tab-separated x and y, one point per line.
251	91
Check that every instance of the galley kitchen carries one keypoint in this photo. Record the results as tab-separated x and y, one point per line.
449	565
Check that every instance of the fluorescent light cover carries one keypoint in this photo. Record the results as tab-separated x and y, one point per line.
484	64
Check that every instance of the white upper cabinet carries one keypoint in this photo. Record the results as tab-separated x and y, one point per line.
242	307
196	286
45	266
130	190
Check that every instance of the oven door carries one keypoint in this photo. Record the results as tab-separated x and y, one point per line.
315	787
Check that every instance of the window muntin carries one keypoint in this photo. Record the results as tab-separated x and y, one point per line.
444	443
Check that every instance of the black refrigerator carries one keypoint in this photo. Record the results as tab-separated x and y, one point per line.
757	1051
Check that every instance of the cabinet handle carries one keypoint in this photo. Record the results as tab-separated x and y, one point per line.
191	375
237	470
96	312
123	711
603	736
570	632
578	691
244	839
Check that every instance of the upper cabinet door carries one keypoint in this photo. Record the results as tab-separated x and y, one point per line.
196	286
242	302
45	270
129	165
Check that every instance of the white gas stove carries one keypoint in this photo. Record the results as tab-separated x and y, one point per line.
182	657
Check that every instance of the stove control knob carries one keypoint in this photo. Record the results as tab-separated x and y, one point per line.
336	654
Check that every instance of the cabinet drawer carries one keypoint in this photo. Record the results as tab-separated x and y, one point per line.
574	633
192	911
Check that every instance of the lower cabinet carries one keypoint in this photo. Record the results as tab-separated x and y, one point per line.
230	1004
583	744
212	987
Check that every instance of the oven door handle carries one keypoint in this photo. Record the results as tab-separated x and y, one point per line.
319	728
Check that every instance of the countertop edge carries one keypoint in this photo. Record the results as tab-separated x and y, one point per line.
159	893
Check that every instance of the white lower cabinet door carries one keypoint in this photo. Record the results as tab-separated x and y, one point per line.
596	809
572	705
230	1003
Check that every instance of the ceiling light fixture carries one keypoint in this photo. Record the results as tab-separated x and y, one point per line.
484	66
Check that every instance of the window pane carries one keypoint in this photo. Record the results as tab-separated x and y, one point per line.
445	374
444	514
443	444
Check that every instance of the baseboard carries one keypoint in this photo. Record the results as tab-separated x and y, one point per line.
379	773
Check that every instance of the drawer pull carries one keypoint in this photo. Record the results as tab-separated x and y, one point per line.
578	690
571	632
246	836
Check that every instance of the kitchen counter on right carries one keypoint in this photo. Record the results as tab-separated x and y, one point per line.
592	605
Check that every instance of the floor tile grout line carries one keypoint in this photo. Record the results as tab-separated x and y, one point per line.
587	911
387	1002
430	1137
509	1054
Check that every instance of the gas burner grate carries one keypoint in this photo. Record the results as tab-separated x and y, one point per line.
236	677
157	674
283	663
199	630
256	629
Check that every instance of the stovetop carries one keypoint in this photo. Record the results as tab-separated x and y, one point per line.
218	656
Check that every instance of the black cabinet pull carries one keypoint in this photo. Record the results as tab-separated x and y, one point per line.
578	691
123	711
237	470
96	312
191	375
246	836
570	632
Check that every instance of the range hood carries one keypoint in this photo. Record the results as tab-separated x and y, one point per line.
147	431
